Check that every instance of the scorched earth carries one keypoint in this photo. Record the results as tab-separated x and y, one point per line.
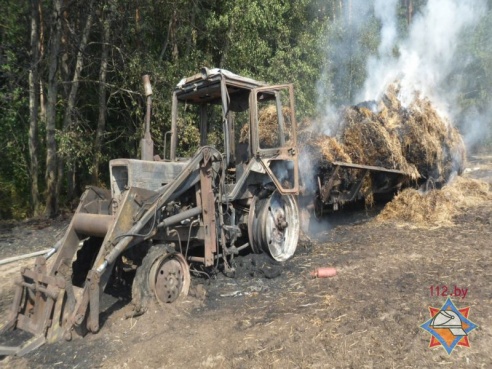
272	316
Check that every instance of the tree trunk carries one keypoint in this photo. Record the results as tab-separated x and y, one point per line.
34	107
70	109
42	98
52	87
166	41
103	102
191	40
174	40
65	51
227	43
409	11
137	27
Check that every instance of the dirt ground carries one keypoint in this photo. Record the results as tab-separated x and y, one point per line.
368	316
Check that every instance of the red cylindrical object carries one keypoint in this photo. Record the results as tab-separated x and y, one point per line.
324	272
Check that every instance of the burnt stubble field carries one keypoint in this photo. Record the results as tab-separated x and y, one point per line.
271	316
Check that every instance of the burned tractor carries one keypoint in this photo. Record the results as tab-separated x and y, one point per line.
162	215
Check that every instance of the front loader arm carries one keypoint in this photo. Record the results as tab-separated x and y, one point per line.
127	232
51	313
165	194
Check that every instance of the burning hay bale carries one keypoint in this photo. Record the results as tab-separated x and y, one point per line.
367	141
328	149
432	144
436	207
413	139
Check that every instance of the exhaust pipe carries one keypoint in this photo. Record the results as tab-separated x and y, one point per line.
146	143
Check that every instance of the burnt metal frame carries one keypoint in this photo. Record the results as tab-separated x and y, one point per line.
221	82
284	152
137	209
325	190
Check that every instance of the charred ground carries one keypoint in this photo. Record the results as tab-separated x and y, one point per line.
273	316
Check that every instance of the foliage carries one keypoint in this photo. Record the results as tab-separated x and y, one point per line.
278	41
14	112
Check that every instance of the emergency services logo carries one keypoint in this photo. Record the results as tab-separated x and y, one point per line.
449	326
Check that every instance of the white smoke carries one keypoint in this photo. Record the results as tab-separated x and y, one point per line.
343	49
427	57
385	10
475	126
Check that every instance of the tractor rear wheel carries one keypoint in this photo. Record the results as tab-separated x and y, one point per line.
164	276
273	226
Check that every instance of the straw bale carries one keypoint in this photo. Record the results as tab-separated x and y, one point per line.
415	139
431	143
329	149
436	208
367	141
268	127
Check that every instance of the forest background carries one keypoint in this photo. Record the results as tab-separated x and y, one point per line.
71	96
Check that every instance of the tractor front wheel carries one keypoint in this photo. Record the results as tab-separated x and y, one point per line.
164	276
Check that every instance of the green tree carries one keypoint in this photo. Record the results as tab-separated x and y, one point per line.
14	108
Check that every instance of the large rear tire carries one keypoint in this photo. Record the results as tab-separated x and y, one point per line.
274	226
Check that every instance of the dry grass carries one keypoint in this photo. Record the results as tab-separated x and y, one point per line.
368	141
330	149
436	208
430	142
413	139
268	127
416	139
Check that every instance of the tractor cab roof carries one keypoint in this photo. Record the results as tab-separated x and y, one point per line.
205	87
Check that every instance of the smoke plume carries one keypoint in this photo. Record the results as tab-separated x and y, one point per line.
428	56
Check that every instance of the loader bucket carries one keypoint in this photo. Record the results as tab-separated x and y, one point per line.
45	295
